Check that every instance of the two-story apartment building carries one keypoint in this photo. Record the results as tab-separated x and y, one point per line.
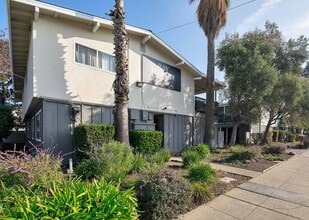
63	70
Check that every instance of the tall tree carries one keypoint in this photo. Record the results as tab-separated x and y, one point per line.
211	16
247	62
283	100
121	88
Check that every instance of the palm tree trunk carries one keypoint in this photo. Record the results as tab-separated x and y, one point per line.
209	109
120	85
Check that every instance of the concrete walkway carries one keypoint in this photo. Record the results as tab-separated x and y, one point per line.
280	193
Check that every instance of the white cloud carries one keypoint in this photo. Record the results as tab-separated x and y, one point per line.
252	20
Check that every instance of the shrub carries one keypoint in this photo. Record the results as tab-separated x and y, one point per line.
139	162
275	136
161	156
282	135
71	200
6	121
273	150
201	149
200	193
18	167
291	137
190	157
146	141
163	195
112	161
201	173
85	136
243	153
273	158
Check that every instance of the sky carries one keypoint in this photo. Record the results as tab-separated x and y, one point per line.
174	21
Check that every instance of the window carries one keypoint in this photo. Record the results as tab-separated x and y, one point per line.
106	62
38	126
94	58
85	55
32	128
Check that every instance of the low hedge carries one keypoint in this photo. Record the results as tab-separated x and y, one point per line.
85	135
291	137
146	141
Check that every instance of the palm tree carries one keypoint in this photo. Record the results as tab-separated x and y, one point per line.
211	16
120	85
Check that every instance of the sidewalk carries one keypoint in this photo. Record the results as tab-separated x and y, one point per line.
280	193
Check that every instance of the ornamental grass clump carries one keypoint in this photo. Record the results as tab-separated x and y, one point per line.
201	173
273	150
243	153
111	161
201	192
163	195
70	199
190	157
21	168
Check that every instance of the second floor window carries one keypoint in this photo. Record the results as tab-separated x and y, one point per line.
94	58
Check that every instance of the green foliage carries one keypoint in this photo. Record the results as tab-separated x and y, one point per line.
163	195
112	161
20	168
273	158
291	137
139	162
190	157
160	157
85	136
281	136
6	121
200	193
146	141
273	150
275	136
201	149
201	173
216	151
70	200
243	153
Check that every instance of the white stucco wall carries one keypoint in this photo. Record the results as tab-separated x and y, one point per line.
57	76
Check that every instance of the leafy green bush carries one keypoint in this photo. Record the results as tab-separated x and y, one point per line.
200	193
291	137
18	167
161	156
146	141
201	149
243	153
201	173
282	135
163	195
275	136
139	163
273	158
273	150
87	135
70	200
190	157
112	161
6	121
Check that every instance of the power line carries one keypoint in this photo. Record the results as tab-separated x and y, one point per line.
191	22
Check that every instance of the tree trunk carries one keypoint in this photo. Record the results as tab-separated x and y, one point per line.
209	109
265	135
120	85
234	134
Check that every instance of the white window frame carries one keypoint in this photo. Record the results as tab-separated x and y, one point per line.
38	133
97	59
